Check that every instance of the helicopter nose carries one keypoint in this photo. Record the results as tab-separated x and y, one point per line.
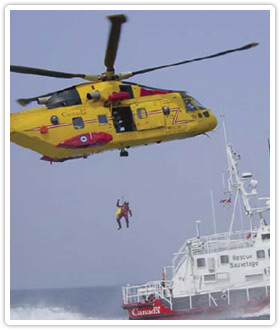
213	122
12	124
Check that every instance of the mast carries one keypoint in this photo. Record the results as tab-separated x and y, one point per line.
236	182
213	212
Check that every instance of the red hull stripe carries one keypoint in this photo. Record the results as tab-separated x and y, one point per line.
187	314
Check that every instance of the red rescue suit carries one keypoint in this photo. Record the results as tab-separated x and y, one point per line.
125	210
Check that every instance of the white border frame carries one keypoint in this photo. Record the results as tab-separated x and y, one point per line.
198	6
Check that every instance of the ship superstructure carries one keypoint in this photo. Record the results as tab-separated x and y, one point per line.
222	275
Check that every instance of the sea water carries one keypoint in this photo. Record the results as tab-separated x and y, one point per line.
93	303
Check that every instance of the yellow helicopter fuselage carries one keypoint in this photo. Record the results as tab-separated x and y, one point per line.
94	117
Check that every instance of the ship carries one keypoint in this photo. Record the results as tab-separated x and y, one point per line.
218	276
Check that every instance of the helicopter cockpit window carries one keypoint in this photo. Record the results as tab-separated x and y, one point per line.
200	106
142	113
190	106
64	98
78	123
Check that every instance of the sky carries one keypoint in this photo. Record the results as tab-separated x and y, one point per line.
63	228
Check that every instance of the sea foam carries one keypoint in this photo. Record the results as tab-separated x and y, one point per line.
44	313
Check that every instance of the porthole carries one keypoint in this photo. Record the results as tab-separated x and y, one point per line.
166	111
54	120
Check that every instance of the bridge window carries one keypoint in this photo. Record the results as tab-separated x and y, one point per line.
206	114
222	276
224	259
142	113
260	254
78	123
102	119
210	278
200	262
265	236
200	115
254	277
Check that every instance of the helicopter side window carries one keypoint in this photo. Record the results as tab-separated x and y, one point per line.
142	113
78	123
102	119
190	105
64	98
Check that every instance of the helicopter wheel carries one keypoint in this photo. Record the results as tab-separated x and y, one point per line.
123	153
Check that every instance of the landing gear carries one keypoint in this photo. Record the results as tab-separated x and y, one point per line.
123	153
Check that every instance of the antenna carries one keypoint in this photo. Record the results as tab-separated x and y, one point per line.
233	214
213	212
241	213
223	181
225	133
198	222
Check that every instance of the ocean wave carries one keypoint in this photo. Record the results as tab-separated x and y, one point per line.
44	313
262	313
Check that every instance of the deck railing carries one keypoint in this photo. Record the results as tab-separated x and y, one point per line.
213	243
141	294
146	293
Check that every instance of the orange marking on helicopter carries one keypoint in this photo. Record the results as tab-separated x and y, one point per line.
154	112
175	121
61	125
176	116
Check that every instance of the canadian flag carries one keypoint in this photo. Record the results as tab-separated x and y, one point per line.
225	201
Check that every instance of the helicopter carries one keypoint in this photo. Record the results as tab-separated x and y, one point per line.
107	112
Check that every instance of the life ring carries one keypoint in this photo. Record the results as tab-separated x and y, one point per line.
224	295
150	298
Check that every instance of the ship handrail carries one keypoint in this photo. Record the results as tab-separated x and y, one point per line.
226	293
211	300
136	293
215	243
210	244
217	237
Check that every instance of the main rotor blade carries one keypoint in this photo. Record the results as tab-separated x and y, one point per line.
24	102
152	88
113	41
43	72
196	59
